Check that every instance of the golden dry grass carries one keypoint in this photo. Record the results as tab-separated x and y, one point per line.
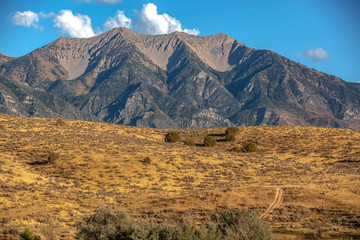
102	164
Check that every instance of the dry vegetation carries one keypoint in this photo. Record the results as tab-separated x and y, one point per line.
103	164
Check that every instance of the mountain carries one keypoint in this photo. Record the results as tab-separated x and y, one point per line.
182	81
4	58
21	100
356	85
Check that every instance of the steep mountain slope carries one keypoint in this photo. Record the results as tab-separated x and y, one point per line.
21	100
4	58
183	81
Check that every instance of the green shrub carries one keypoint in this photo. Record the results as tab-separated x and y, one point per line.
53	157
233	224
249	147
236	224
190	142
232	130
230	137
147	160
182	231
104	225
27	235
172	137
209	141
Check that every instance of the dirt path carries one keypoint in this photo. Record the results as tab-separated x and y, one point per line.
275	204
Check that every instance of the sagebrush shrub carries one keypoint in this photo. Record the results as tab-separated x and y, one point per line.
230	137
190	142
172	137
209	141
234	224
53	157
27	235
232	130
249	147
104	225
147	160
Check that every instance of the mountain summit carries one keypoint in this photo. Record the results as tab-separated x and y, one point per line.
172	81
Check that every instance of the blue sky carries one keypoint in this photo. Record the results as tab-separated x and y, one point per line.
321	34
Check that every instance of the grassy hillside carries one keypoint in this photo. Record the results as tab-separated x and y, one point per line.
99	164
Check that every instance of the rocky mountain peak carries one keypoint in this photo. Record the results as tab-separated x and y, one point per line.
173	80
215	50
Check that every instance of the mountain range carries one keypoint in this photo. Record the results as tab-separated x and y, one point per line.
175	80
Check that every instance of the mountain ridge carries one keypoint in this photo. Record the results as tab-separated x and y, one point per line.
179	80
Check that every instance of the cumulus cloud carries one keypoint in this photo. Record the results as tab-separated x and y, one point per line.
151	22
317	54
192	31
78	25
120	20
26	18
148	21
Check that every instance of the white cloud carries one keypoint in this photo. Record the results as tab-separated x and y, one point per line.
27	19
150	22
192	31
78	25
317	54
120	20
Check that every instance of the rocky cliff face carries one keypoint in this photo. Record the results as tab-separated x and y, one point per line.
180	81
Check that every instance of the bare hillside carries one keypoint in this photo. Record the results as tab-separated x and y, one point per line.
317	170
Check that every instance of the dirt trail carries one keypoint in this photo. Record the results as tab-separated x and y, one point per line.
275	204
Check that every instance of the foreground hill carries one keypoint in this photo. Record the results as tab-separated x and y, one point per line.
176	81
102	164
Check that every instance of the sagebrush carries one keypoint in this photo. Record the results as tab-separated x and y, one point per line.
190	142
209	141
249	147
172	137
232	130
234	224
